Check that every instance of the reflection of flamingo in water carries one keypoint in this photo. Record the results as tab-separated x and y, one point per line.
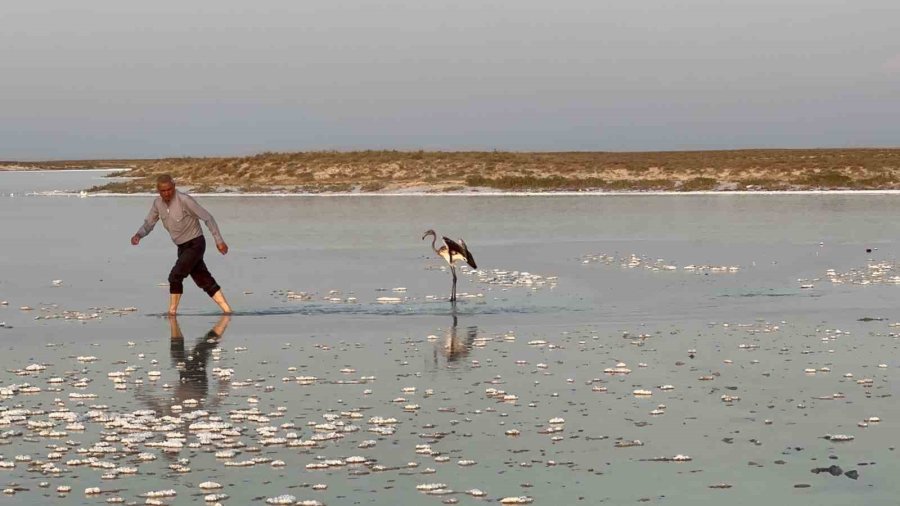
193	382
451	252
455	348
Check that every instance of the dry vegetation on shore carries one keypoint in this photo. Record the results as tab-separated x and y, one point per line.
373	171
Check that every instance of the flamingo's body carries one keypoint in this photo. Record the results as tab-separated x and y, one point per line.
452	252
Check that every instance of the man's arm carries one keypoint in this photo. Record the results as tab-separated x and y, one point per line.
147	227
207	218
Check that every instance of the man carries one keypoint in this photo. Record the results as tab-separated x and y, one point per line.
180	214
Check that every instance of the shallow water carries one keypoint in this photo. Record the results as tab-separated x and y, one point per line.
591	317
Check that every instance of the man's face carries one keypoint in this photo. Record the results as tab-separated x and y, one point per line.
166	191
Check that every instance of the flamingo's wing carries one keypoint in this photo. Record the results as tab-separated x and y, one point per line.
468	254
460	251
454	247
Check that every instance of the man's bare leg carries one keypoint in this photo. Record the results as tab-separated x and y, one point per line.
219	299
174	299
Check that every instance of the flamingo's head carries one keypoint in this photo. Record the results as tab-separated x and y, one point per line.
427	233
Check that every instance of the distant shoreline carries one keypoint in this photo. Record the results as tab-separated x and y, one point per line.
54	193
62	170
455	173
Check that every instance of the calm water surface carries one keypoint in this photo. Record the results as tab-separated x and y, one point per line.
749	334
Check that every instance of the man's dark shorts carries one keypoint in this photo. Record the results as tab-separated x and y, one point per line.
190	263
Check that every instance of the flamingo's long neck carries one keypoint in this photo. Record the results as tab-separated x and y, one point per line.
433	241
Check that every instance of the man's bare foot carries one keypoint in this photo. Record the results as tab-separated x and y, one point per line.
172	312
219	299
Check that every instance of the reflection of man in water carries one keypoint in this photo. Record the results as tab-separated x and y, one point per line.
194	383
455	348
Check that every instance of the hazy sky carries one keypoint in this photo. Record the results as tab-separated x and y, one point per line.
114	78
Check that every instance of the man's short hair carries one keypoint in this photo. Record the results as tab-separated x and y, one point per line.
164	179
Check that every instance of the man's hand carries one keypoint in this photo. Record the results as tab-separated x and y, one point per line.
135	239
223	248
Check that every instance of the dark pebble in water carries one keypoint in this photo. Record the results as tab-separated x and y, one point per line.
780	462
852	474
802	485
833	470
833	457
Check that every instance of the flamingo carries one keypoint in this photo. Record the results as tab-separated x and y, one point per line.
451	252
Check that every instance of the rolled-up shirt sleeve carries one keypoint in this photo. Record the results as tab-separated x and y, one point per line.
204	215
149	222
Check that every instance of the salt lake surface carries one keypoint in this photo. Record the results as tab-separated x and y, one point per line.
668	349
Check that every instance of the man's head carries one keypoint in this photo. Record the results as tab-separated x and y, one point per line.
165	185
